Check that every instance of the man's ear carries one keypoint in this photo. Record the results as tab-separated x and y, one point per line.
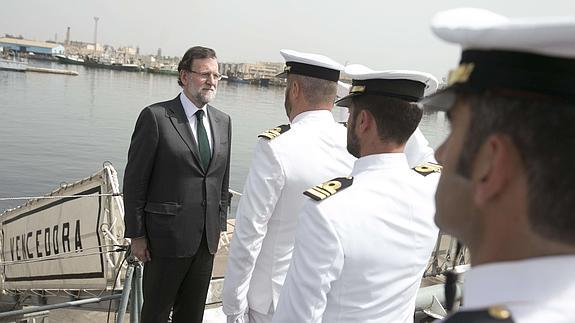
364	119
492	168
295	89
183	76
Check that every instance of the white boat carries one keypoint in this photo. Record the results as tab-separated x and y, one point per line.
67	249
14	64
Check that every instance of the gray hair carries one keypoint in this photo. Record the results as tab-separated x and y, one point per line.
316	91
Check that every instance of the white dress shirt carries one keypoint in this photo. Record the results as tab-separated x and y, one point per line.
360	254
191	109
534	290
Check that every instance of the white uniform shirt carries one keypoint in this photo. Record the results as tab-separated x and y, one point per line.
534	290
360	254
417	149
312	151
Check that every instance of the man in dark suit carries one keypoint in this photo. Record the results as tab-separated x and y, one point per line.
176	191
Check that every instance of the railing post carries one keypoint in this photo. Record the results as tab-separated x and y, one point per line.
139	289
136	296
126	291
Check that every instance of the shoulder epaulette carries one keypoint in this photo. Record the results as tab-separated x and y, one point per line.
274	132
327	189
428	168
343	123
493	314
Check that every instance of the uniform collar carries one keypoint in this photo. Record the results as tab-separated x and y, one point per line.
380	161
534	280
316	115
189	106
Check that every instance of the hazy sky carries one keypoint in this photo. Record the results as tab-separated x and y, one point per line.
377	33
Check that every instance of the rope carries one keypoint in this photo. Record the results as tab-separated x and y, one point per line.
57	196
73	196
75	254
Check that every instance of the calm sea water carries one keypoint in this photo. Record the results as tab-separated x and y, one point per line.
57	128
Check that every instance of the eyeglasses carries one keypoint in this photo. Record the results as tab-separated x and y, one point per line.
206	75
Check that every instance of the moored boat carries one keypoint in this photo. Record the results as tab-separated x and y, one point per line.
13	65
237	79
70	59
112	65
164	69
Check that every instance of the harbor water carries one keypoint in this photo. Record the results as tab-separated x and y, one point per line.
58	128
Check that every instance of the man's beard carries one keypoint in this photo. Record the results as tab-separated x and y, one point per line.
353	145
205	98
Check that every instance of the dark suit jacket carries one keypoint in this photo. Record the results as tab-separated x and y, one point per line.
168	196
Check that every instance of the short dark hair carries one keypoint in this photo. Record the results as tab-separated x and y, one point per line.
543	131
196	52
396	119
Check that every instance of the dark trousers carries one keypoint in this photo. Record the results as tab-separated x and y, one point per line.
181	283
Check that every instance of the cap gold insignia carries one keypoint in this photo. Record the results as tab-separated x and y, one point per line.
357	89
460	74
428	168
499	312
287	68
327	189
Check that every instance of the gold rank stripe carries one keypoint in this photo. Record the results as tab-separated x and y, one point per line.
317	193
274	132
323	191
267	135
270	134
327	189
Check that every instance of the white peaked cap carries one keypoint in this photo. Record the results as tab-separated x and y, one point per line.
534	55
402	84
474	28
308	64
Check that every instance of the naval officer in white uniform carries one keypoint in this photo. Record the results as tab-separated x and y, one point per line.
363	241
288	160
508	185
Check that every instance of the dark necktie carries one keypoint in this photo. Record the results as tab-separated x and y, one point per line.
203	143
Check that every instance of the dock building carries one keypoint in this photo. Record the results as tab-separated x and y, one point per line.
31	46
